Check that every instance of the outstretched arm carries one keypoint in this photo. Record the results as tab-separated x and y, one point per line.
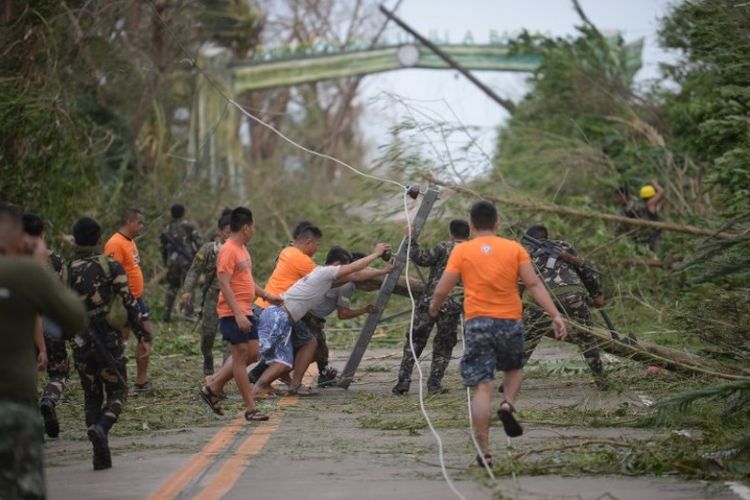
344	273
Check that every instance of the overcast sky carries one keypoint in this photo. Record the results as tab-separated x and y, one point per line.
633	18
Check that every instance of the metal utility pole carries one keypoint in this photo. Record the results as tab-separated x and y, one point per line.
506	103
386	289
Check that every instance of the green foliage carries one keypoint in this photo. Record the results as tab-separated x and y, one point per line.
710	115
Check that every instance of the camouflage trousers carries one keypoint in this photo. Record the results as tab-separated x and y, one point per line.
176	272
100	378
316	326
574	307
442	344
58	370
210	325
21	467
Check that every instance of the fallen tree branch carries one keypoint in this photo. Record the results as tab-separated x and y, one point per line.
583	214
592	442
642	351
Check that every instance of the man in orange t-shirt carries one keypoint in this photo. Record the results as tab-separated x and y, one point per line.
490	267
294	262
121	247
234	272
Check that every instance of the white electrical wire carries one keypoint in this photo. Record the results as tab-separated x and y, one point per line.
416	359
471	419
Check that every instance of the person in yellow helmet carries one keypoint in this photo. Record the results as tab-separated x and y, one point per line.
653	196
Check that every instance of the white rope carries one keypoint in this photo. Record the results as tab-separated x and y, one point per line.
471	420
416	359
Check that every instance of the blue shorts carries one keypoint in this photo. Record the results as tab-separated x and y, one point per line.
230	330
145	313
301	335
274	330
491	344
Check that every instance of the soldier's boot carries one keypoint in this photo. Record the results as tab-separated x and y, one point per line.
208	365
51	424
98	437
437	372
597	370
327	376
169	305
400	388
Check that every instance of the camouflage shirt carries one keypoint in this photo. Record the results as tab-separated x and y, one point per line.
563	274
203	263
436	259
89	280
179	240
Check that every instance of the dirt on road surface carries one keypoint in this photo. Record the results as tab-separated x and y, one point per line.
365	443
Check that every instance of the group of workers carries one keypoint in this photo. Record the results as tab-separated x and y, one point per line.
511	296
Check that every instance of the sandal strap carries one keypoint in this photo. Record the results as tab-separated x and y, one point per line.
510	406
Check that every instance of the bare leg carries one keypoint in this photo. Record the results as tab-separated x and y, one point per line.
141	360
302	361
273	372
240	354
481	402
512	384
218	380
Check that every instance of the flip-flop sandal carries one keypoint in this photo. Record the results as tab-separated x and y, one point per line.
301	391
487	459
211	399
255	416
510	424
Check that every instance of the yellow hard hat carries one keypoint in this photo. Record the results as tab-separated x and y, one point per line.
648	191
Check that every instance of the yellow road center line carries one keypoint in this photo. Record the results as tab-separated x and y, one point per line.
200	460
226	477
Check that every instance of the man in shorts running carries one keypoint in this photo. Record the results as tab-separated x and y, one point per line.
490	267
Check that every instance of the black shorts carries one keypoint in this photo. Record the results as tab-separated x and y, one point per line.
230	330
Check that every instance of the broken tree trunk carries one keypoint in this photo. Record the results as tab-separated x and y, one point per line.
583	214
642	351
653	354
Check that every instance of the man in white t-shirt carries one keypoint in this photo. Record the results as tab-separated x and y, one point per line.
336	299
275	323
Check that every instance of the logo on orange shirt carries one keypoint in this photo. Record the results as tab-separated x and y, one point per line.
486	249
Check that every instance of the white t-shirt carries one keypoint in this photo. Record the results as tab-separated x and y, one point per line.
334	298
309	291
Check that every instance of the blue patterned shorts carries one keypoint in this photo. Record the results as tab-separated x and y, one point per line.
491	344
274	331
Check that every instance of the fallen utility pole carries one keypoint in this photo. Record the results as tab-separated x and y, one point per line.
583	214
386	289
506	103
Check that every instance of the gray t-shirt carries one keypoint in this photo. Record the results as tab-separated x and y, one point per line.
334	298
309	291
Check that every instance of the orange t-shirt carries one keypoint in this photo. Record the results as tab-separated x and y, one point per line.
489	268
292	265
123	250
234	259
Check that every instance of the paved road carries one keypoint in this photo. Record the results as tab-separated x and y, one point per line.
316	448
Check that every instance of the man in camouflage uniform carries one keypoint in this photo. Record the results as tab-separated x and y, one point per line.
179	243
58	367
204	264
570	284
27	291
447	321
98	353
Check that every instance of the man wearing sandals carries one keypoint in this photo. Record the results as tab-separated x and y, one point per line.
275	326
236	322
489	267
